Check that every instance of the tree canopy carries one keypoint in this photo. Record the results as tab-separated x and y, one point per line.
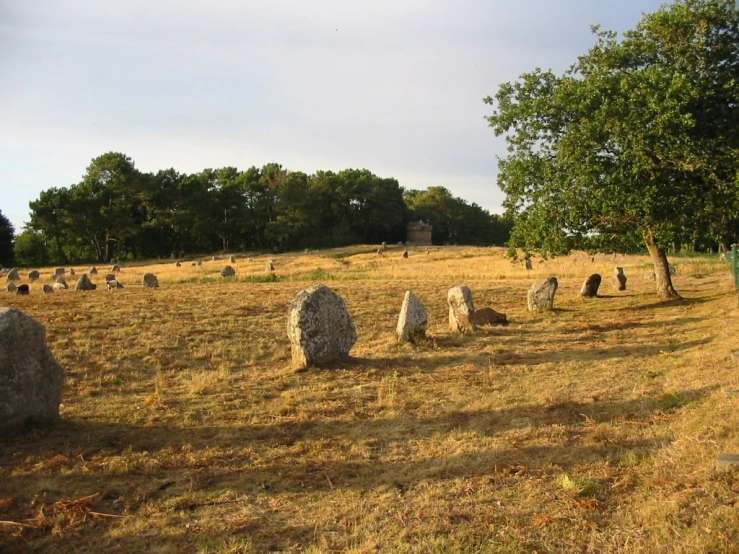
7	234
117	211
639	137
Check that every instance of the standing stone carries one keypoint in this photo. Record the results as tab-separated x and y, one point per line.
214	258
150	281
71	271
115	268
413	318
33	275
269	266
541	294
529	265
48	289
319	327
383	245
379	252
178	264
405	253
651	276
62	282
93	270
200	262
619	279
84	283
232	259
11	286
110	277
672	270
461	309
30	378
13	275
428	251
59	271
228	271
23	289
590	286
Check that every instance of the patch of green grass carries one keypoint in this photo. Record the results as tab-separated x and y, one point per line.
267	278
580	487
670	401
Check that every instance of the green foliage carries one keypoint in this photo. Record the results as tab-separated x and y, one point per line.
580	487
7	233
30	249
639	138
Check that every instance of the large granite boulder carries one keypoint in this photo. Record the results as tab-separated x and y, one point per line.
319	327
461	309
150	281
228	271
541	294
413	319
619	279
590	286
84	283
30	378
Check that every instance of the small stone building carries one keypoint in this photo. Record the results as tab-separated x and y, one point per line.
419	233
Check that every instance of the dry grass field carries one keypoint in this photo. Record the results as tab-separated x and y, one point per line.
592	428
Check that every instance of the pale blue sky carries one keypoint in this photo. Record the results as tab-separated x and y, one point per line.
394	86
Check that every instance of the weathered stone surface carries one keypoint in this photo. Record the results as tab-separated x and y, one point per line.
60	280
619	279
651	276
48	289
71	271
150	281
232	259
178	264
200	262
23	289
380	252
461	309
33	275
727	461
30	378
528	264
413	318
93	270
84	283
115	268
488	316
110	277
269	266
428	251
59	286
541	294
383	245
672	270
114	284
405	253
59	271
13	275
590	286
319	327
11	286
228	271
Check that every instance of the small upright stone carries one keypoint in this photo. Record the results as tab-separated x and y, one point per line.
93	270
33	275
590	286
319	327
228	271
383	245
380	252
23	289
178	264
200	262
651	276
413	318
672	270
269	266
528	263
232	259
11	287
13	275
30	379
115	268
84	283
541	294
48	289
71	271
428	251
59	271
405	253
150	281
110	277
619	279
62	282
461	309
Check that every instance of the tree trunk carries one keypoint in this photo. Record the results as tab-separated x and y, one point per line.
661	269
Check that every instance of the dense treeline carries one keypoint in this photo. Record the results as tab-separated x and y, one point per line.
116	211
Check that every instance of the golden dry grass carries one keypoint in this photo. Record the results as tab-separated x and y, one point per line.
593	428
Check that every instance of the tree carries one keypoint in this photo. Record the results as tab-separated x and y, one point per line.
7	233
639	135
30	249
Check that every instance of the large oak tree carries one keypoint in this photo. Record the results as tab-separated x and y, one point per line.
641	135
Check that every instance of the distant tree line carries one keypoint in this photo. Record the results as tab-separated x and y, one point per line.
116	211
